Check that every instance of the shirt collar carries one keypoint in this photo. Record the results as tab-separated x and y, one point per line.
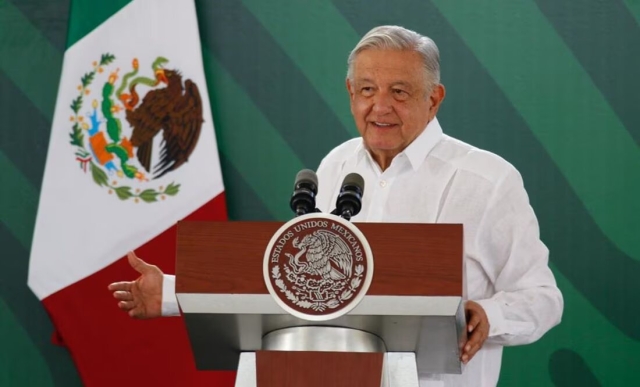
418	150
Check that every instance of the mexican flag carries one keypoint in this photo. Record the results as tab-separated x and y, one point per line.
132	151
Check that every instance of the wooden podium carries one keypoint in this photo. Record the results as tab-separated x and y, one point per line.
414	305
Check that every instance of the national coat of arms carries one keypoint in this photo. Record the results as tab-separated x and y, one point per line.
115	138
318	267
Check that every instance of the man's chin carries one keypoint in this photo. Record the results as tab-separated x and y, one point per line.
381	146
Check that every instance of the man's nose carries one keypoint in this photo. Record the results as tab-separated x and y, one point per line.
382	103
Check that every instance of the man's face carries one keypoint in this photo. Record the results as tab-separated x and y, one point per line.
390	102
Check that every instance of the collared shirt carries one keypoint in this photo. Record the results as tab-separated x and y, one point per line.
438	179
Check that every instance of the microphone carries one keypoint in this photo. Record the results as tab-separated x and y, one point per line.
349	200
305	189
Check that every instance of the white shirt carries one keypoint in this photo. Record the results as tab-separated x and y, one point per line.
438	179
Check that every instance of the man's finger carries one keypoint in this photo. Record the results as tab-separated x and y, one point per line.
123	286
475	342
472	341
138	264
126	305
137	313
123	296
475	347
477	336
473	321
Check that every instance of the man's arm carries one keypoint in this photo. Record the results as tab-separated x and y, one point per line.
526	301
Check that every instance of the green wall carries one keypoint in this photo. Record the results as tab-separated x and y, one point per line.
552	86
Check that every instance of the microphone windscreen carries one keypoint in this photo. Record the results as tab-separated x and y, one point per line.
354	179
307	175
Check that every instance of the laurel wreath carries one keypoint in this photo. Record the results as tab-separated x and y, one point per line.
318	306
99	175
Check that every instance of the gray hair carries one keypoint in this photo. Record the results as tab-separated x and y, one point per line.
400	38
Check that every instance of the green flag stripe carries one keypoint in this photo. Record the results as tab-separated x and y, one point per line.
634	7
271	169
50	17
13	371
28	311
505	133
28	58
86	15
258	65
616	40
18	202
25	141
320	57
583	135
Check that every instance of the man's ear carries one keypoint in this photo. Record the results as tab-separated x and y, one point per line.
349	88
437	96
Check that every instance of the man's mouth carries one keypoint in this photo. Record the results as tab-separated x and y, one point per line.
382	124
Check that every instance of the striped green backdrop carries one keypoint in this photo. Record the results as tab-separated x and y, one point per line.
553	86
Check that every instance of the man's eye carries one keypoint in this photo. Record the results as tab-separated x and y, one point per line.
400	94
367	90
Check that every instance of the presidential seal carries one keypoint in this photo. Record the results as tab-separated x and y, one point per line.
318	267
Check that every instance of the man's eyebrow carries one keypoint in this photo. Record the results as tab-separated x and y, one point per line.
406	85
401	83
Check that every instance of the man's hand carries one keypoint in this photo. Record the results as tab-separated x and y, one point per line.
141	298
477	330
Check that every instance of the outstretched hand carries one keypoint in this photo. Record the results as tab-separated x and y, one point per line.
477	330
142	298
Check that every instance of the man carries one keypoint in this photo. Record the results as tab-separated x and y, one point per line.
415	173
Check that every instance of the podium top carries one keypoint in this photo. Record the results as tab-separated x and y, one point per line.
410	259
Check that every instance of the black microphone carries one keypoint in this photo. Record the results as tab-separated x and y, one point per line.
305	189
349	200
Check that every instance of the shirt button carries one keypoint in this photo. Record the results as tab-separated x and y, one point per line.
383	183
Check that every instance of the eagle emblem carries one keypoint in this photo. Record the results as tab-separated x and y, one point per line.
131	114
325	255
318	267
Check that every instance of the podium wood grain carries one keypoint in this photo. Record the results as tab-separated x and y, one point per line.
227	258
318	369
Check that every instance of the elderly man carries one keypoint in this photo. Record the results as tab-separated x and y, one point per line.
415	173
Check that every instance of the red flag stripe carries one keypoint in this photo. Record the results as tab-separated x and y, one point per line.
111	349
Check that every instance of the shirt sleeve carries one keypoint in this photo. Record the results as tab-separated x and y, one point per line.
526	302
169	301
